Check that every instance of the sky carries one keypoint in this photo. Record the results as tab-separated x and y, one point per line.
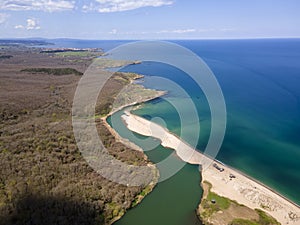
149	19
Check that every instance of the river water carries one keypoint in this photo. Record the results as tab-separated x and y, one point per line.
173	201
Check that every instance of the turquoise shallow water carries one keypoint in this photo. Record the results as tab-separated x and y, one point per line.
260	80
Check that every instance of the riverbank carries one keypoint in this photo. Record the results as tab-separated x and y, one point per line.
225	181
121	92
130	94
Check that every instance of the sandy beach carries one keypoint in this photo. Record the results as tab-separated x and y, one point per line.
225	181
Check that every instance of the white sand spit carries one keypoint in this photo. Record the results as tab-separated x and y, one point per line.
225	181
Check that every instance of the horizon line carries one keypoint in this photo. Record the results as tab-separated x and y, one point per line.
144	39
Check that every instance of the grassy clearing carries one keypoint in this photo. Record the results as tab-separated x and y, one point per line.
243	222
212	204
220	203
264	219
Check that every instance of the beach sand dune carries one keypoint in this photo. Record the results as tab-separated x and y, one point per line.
225	181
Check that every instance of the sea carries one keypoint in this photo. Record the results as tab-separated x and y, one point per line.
260	81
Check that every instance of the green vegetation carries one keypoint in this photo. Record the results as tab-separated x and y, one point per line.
111	63
264	219
243	222
78	54
212	204
143	193
146	191
53	71
221	203
5	56
122	92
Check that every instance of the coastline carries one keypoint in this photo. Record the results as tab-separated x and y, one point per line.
242	188
150	94
125	105
159	94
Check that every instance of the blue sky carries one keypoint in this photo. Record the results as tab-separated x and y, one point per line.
149	19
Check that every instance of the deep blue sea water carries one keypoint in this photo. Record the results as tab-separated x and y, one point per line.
260	80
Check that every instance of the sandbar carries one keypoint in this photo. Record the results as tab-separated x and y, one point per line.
226	181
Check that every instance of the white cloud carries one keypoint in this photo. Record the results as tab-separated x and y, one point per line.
32	24
19	27
41	5
178	31
107	6
102	6
3	17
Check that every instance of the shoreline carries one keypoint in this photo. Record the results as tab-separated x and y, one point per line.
158	95
242	188
138	199
259	182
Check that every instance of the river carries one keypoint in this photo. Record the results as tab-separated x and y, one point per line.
173	201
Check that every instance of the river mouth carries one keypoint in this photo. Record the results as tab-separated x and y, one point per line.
262	107
173	201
